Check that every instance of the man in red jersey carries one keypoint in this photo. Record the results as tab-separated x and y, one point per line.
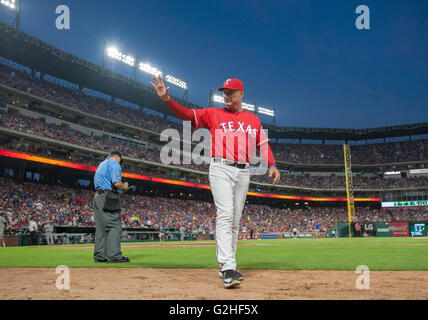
235	135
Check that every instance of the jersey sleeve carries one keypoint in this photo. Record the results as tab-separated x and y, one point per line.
115	173
201	118
264	148
262	137
198	117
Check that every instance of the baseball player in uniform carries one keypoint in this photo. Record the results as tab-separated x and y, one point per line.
235	134
161	233
182	233
49	233
2	224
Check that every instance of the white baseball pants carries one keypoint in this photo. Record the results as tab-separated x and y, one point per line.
49	238
229	187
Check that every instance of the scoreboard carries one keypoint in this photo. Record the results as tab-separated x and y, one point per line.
397	204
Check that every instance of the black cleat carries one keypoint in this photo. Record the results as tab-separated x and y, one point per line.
121	260
230	279
238	274
100	260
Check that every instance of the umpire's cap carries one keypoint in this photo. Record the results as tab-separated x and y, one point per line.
116	153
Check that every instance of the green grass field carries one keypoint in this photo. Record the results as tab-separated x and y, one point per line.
282	254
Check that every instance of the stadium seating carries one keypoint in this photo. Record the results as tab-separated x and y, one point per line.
39	127
73	207
378	153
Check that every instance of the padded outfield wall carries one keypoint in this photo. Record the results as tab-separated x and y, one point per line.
381	229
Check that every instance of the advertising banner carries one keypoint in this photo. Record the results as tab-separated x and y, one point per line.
383	229
418	229
400	229
269	236
343	230
398	204
357	229
369	229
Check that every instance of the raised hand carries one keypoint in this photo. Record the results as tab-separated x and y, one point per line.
159	86
273	171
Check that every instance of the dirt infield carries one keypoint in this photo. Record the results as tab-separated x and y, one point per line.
204	284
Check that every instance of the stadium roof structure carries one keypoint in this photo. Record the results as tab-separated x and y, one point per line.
31	52
346	134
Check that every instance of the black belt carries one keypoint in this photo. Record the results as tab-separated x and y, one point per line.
238	165
231	163
101	191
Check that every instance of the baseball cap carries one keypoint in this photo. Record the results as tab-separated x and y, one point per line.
233	84
116	153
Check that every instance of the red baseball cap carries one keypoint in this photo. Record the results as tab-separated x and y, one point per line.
233	84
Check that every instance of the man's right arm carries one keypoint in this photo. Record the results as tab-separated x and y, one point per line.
181	112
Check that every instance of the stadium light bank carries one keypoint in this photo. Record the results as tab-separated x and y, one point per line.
266	111
114	53
15	7
11	4
117	54
219	99
247	106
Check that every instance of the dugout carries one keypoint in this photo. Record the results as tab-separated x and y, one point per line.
80	235
129	234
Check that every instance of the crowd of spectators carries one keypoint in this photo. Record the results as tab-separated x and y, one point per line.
19	122
79	100
374	153
40	127
339	182
295	153
148	171
25	202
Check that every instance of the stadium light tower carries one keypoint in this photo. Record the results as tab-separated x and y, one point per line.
147	68
11	4
216	98
116	54
181	84
14	7
176	82
219	99
267	112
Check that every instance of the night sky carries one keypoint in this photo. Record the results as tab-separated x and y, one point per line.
304	58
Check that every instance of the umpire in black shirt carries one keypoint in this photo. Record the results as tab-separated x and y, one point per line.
108	185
